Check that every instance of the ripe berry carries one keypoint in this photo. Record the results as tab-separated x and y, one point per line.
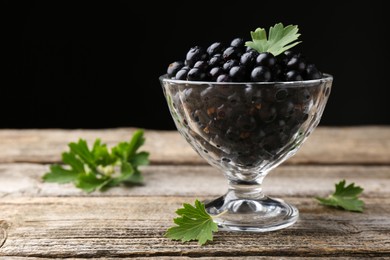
237	73
289	54
224	78
266	59
277	72
293	75
201	64
296	63
238	43
215	48
229	64
231	53
261	74
195	54
312	72
216	60
196	74
174	67
248	59
181	74
215	72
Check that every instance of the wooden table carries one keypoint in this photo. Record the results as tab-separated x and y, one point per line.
48	220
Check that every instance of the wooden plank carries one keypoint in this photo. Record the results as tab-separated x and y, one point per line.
327	145
134	227
164	180
208	258
212	258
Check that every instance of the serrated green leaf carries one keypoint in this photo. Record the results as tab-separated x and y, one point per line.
350	191
135	143
90	182
126	150
76	164
139	159
60	175
127	168
131	174
259	34
280	39
98	168
194	223
101	155
345	197
81	150
136	178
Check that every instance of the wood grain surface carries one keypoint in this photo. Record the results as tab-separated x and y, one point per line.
134	226
50	221
326	145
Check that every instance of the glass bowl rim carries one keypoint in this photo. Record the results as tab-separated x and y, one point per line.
325	78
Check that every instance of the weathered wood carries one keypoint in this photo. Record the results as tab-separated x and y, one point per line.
327	145
134	226
291	180
212	258
47	220
3	231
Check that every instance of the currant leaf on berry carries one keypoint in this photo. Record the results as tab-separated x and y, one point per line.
279	40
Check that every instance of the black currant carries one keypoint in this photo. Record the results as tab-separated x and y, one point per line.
174	67
216	72
224	78
229	64
248	59
238	43
277	72
311	72
201	64
231	53
195	54
266	59
237	73
296	63
181	74
196	74
215	48
261	74
293	75
216	60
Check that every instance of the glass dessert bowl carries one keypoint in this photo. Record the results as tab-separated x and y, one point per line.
245	130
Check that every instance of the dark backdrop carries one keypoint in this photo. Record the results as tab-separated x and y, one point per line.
90	64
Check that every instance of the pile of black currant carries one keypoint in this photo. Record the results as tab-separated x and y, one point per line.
238	63
247	124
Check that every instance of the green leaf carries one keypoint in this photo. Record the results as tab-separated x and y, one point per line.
89	182
194	223
345	197
101	168
279	40
76	164
139	159
126	150
130	174
81	151
60	175
101	155
136	178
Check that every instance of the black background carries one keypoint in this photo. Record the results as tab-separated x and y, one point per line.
90	64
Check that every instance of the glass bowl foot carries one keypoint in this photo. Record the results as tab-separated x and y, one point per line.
252	215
